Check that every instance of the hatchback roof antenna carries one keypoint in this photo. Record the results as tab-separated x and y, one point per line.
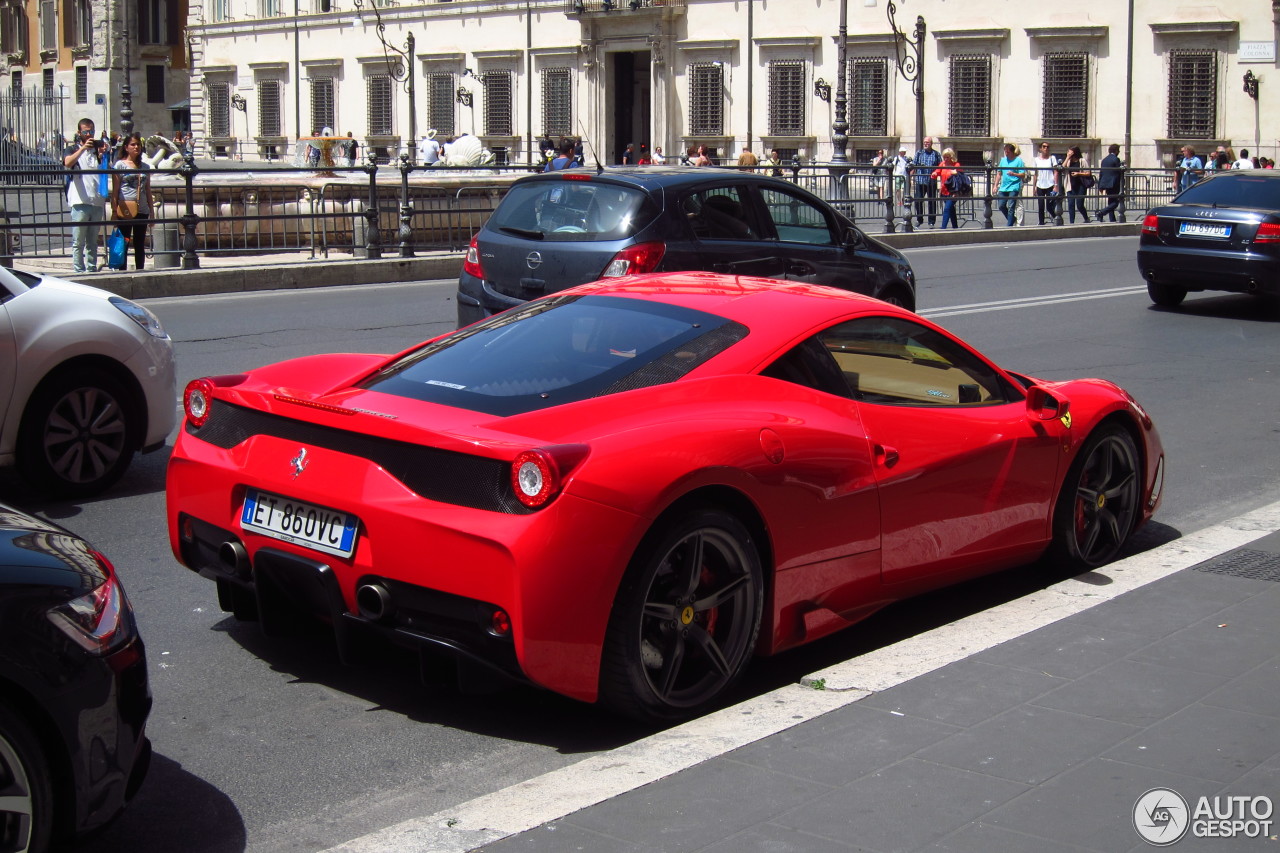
594	155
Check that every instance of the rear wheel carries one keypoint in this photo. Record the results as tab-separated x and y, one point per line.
686	618
900	296
1166	295
26	794
1099	502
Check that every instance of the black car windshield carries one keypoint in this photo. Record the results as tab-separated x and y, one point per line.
1237	190
571	210
558	350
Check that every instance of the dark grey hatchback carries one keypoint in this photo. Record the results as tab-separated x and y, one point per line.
560	229
1220	234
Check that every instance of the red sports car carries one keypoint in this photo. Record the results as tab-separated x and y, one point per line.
623	491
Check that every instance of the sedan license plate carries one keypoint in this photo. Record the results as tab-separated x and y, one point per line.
305	524
1203	229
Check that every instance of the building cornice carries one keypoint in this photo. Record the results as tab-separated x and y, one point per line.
1094	33
789	41
987	34
1195	28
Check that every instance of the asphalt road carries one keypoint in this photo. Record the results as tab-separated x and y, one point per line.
272	746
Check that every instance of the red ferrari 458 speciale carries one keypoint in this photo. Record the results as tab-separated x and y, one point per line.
623	491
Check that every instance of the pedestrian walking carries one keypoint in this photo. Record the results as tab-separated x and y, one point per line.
922	166
1078	179
1046	179
1012	169
901	165
131	197
941	177
84	196
1111	182
1190	168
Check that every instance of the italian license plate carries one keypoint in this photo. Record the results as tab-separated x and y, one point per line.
1203	229
305	524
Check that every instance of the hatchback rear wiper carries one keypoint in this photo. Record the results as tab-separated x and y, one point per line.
522	232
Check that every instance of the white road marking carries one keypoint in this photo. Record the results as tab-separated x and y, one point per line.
558	793
1031	301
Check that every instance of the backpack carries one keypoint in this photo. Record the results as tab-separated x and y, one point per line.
959	184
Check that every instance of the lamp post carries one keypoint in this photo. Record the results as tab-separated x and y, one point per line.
840	127
126	91
908	58
401	71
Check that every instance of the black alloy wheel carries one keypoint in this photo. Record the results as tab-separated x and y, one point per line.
686	619
77	437
900	296
26	794
1099	503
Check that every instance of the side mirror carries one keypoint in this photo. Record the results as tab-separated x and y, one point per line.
1043	406
853	238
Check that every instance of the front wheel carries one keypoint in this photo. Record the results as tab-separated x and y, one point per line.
685	620
26	794
900	296
1166	295
77	435
1099	503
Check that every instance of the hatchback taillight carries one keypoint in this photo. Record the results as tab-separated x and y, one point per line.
98	621
471	263
633	260
1149	223
1268	232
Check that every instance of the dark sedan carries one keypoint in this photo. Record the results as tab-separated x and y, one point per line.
1220	234
74	696
565	228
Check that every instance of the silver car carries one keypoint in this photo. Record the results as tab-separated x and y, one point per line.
86	380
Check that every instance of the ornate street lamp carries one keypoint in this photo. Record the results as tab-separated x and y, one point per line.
840	127
401	71
126	91
909	64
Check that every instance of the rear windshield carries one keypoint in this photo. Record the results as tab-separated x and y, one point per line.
558	350
573	210
1234	191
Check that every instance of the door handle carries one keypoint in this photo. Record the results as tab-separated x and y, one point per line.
886	455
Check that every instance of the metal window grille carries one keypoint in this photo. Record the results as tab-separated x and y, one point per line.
48	24
786	97
155	84
47	80
1193	93
269	108
322	112
1066	95
441	92
970	107
219	105
557	103
868	96
706	99
378	91
82	84
498	102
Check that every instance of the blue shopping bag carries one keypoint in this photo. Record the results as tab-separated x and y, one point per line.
117	250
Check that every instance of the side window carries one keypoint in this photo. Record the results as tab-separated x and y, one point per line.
797	220
809	365
898	362
719	214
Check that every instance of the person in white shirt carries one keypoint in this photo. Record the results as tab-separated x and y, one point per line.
1046	166
900	164
1244	162
659	159
88	207
429	149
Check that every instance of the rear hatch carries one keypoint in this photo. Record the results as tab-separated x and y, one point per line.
1221	214
557	232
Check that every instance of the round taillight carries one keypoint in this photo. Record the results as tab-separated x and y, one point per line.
500	623
196	401
533	476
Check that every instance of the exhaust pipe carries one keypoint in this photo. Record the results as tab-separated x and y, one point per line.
234	557
374	602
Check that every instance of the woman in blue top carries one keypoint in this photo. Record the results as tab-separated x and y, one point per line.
131	197
1011	171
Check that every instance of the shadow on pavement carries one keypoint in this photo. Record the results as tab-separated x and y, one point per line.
175	811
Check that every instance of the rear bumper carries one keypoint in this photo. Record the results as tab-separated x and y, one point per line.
1201	269
477	300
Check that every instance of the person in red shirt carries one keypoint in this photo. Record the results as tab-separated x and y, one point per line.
941	174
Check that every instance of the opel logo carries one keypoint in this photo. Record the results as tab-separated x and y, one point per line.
534	260
299	462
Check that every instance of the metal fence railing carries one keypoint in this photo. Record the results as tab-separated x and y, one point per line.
372	211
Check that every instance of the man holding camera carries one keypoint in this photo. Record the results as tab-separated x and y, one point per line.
88	206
